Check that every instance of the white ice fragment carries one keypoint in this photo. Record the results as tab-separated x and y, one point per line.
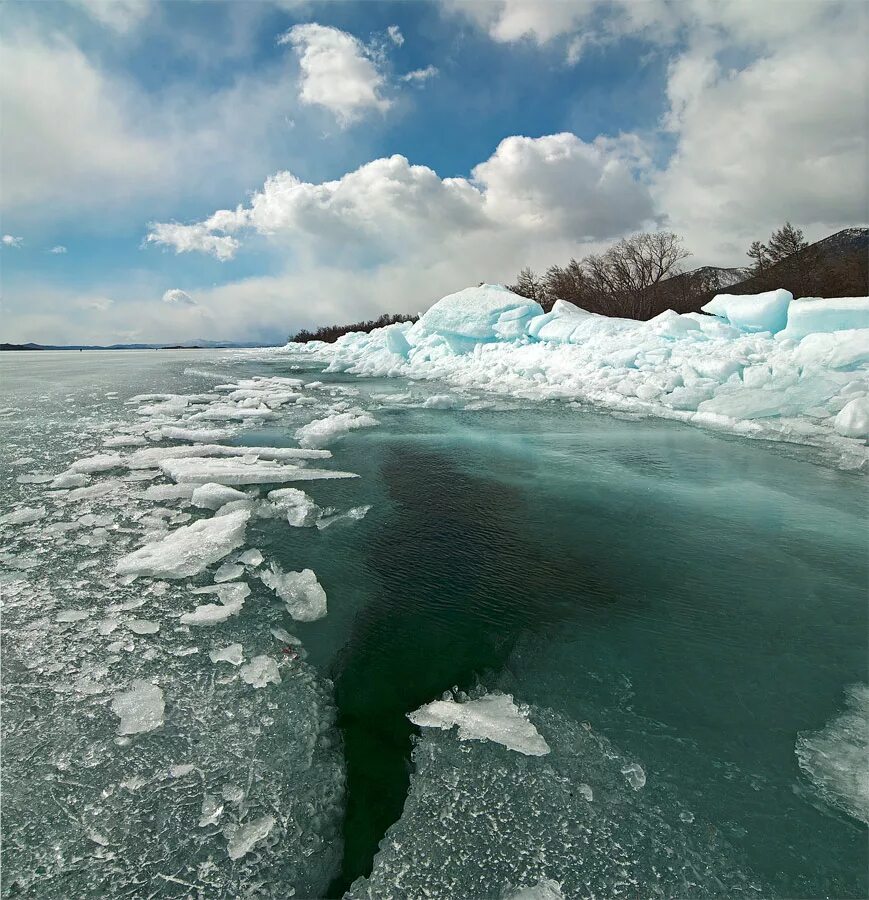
228	572
810	315
251	558
544	889
440	401
323	431
187	550
853	419
233	654
474	312
23	516
303	594
211	811
634	775
354	514
161	492
299	508
586	792
232	793
179	771
69	480
260	672
205	435
237	471
141	708
124	440
143	626
100	463
231	596
213	496
243	838
493	717
72	615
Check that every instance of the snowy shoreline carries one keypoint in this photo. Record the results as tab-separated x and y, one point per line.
763	366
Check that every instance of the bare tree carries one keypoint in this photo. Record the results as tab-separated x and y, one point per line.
624	280
528	285
565	283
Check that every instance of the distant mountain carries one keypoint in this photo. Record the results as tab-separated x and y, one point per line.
837	266
196	344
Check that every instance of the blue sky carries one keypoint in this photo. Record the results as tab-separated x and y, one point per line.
526	133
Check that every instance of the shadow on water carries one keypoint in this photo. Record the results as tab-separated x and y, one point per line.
458	584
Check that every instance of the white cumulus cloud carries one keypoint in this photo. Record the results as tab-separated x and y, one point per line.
9	240
337	72
553	185
177	297
395	35
58	249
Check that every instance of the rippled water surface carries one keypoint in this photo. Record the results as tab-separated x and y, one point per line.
658	596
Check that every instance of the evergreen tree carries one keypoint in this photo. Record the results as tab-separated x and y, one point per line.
758	252
784	243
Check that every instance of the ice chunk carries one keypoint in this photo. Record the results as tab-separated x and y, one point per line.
231	596
303	594
153	456
211	811
354	514
187	550
545	889
440	401
212	495
141	708
143	626
260	672
474	312
396	342
23	516
229	572
243	838
494	717
69	480
323	431
124	440
853	419
809	315
835	758
753	312
299	508
72	615
251	558
233	654
162	492
101	463
237	471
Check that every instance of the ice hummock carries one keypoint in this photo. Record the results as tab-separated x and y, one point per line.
764	365
194	470
187	550
320	432
494	717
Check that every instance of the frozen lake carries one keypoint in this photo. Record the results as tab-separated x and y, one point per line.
680	617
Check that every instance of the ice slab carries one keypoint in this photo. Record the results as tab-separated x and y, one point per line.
187	550
853	419
753	312
302	593
231	595
23	516
140	709
243	838
810	315
494	717
238	471
298	507
232	654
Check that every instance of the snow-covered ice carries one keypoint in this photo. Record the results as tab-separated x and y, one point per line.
494	717
303	594
753	312
243	838
187	550
298	507
232	653
212	496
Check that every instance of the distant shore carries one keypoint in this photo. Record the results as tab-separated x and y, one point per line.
213	346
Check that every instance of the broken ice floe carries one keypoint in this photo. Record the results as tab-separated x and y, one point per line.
494	717
141	708
302	593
